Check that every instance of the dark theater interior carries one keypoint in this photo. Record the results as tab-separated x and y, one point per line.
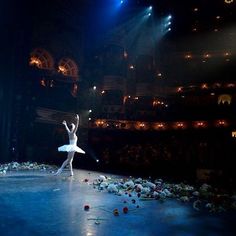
118	117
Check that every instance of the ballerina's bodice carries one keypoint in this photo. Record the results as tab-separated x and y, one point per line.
73	141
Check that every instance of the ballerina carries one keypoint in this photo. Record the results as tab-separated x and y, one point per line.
72	147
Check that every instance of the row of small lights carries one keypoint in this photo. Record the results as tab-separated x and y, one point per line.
206	86
189	56
181	89
157	125
208	55
155	103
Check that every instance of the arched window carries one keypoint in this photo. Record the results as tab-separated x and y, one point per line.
224	99
41	59
68	67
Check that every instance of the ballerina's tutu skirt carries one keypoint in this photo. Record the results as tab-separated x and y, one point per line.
70	148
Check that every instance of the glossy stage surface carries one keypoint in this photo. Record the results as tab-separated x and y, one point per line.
38	203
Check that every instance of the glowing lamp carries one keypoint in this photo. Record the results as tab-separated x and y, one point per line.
180	125
207	55
229	1
204	86
226	54
35	62
187	56
221	122
231	85
233	134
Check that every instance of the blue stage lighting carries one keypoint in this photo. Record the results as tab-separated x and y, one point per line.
121	2
167	24
149	14
169	17
169	29
150	8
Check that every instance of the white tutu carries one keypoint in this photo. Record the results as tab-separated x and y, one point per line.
70	148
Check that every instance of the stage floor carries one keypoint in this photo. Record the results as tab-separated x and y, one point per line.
38	203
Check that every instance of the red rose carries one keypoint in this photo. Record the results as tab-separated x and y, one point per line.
125	210
86	207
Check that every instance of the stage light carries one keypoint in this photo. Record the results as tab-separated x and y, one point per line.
97	160
94	87
90	111
169	29
169	23
150	8
169	17
121	2
149	14
90	118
